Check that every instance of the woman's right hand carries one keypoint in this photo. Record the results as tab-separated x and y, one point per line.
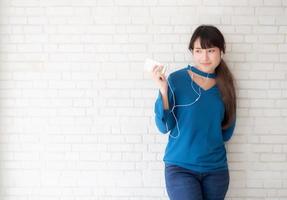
159	78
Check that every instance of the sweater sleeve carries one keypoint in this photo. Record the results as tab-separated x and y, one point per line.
227	133
164	118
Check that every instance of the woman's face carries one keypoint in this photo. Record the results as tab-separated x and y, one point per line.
206	59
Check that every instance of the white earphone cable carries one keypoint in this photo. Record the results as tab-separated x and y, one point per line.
182	105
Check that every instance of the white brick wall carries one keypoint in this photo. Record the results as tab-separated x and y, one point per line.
77	109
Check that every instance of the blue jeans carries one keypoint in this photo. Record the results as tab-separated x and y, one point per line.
184	184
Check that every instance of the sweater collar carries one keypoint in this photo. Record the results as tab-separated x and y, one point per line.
202	73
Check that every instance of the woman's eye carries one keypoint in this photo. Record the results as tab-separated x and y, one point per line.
197	51
211	50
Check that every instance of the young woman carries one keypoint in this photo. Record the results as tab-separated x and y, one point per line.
197	105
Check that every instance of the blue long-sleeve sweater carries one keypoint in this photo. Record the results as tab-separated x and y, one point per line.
200	145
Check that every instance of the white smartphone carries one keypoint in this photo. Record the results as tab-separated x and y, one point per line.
149	64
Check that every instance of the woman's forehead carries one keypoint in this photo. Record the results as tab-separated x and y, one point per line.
207	44
197	45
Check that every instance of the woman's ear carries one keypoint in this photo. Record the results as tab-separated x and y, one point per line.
221	54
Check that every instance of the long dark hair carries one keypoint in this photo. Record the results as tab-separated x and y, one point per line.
210	37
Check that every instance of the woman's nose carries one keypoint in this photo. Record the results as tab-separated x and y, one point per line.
205	55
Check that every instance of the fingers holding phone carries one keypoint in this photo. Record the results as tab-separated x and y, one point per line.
159	76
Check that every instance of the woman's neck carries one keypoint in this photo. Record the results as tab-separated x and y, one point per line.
211	71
